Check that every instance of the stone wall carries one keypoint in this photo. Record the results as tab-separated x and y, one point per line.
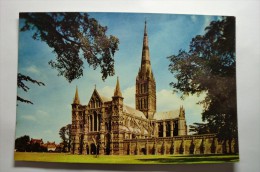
185	145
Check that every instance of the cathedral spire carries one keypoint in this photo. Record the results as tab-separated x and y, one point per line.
76	98
145	63
117	89
145	97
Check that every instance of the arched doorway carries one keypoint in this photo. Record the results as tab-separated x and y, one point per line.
93	149
108	141
143	150
87	149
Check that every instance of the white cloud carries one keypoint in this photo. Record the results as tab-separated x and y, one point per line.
32	69
29	117
166	100
207	20
193	18
47	132
107	91
42	113
129	96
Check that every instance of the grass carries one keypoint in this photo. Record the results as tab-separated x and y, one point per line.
125	159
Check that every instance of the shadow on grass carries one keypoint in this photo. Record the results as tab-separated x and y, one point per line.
196	159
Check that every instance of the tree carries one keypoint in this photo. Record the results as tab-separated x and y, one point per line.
72	37
20	84
209	67
21	143
65	135
199	128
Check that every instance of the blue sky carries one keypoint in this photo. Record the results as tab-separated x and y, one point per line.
52	103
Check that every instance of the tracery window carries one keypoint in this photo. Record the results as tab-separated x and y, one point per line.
168	129
160	129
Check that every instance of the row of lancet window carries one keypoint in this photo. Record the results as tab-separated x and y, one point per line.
142	88
167	129
143	104
95	104
94	122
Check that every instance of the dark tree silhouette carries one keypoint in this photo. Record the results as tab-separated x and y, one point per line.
20	84
209	67
65	135
21	143
199	128
73	37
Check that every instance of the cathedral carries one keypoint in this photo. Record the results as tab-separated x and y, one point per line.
107	126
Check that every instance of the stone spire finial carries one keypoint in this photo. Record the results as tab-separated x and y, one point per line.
145	63
76	98
117	89
145	30
182	112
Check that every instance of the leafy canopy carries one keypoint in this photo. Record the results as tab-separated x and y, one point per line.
209	67
72	36
65	135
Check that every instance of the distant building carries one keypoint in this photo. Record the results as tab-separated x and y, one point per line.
34	141
50	146
111	127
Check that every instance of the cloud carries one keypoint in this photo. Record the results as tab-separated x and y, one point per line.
166	100
129	96
32	69
42	113
107	91
207	20
193	18
29	117
47	132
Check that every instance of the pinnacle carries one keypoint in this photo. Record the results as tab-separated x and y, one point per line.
76	98
117	89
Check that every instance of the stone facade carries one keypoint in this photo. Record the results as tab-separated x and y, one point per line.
107	126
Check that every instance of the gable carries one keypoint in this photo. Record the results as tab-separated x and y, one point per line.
96	100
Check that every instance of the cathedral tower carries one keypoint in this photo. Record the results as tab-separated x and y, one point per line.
182	127
117	123
76	133
145	96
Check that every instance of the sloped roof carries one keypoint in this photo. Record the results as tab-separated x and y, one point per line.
166	115
36	141
135	130
105	99
133	111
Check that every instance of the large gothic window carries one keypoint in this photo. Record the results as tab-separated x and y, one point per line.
90	122
160	129
95	121
168	129
175	131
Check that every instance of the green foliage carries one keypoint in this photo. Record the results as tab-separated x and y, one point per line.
65	135
21	143
20	84
209	67
199	128
73	36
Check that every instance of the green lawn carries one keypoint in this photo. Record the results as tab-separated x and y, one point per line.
125	159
